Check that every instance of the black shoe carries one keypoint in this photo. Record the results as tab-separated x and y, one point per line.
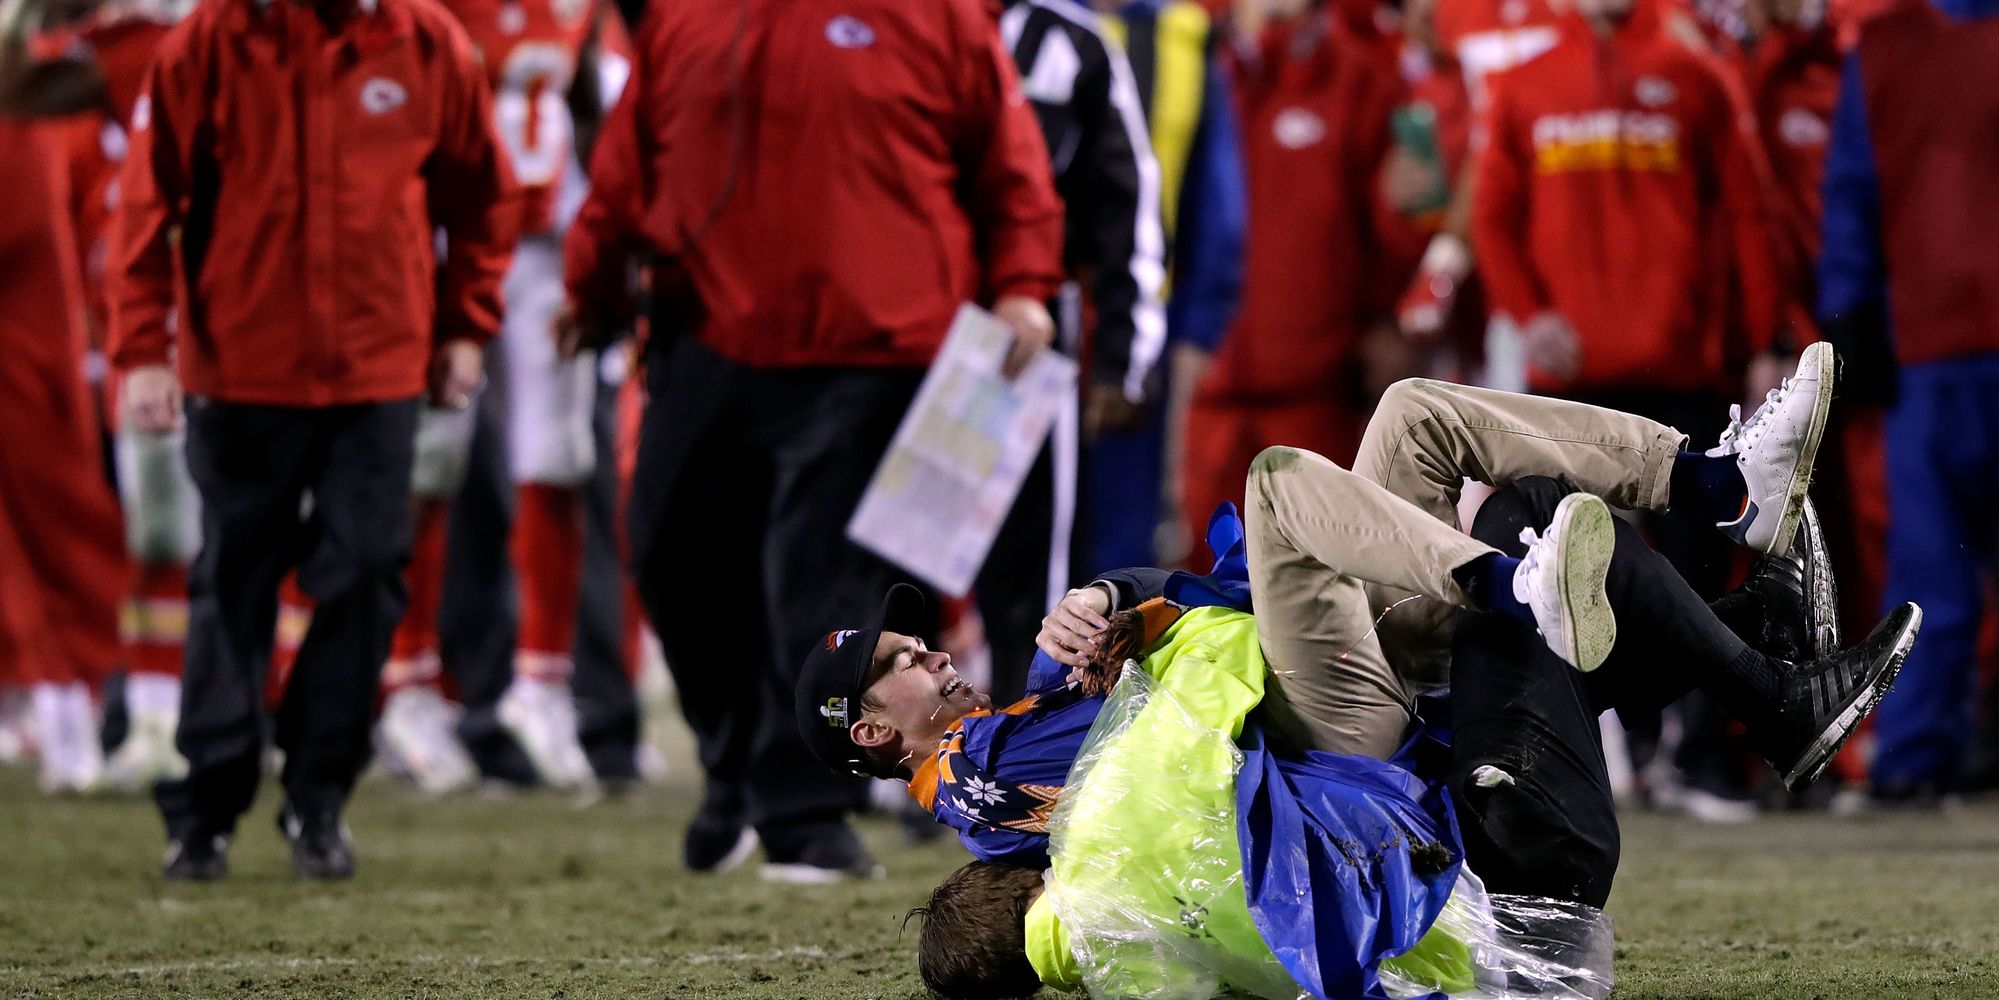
197	857
1788	607
321	847
1825	699
718	839
817	854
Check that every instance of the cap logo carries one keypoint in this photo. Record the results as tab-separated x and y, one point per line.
834	640
835	713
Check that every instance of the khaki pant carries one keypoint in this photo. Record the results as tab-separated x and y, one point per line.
1352	569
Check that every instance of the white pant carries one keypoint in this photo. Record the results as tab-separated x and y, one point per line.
550	402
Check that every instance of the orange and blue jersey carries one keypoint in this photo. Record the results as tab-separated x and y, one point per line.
996	775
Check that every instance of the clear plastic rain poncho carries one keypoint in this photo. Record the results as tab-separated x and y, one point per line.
1147	879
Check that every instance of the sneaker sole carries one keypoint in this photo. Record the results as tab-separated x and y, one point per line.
1808	450
1817	756
1588	539
813	875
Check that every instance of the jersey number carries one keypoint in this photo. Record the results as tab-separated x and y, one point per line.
531	113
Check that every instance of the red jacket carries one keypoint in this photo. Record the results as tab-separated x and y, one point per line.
1620	187
826	180
1793	81
1314	107
305	170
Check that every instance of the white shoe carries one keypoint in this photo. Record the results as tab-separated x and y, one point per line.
418	728
148	754
1775	450
72	759
541	716
1716	810
1561	580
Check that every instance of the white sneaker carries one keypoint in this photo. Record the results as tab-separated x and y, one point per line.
72	759
148	754
419	729
1561	580
1775	450
541	717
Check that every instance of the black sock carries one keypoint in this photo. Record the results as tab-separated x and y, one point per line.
1710	484
1488	582
1750	686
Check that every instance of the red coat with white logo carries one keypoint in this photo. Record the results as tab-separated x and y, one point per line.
826	180
1619	187
306	169
531	49
1314	109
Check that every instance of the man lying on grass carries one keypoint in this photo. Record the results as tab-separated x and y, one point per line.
1325	550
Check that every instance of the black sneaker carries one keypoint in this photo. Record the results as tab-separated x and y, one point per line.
718	838
817	854
1788	607
321	846
1825	699
197	857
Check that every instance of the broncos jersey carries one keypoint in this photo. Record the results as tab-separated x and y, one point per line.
531	49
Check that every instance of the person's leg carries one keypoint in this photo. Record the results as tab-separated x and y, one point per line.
552	451
360	541
1534	801
1936	491
1012	587
830	431
1670	642
607	707
693	524
1123	474
417	726
1317	534
251	466
1427	437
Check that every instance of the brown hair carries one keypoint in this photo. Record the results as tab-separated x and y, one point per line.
974	940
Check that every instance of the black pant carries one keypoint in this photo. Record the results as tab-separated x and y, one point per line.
745	481
1012	586
256	466
1552	829
478	614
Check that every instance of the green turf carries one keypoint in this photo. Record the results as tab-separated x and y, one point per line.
530	897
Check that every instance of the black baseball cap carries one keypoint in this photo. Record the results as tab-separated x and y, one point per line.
836	674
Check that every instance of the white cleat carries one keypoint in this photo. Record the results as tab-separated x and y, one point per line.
148	754
1775	450
541	717
72	758
419	729
1561	579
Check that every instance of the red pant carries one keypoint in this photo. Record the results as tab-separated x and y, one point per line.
1224	436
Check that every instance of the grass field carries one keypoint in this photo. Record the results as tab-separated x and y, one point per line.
531	897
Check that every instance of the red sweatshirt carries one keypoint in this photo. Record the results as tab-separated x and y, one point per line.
1793	81
826	180
305	170
1620	188
1314	107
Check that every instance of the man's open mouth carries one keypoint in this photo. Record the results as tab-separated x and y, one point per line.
951	687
